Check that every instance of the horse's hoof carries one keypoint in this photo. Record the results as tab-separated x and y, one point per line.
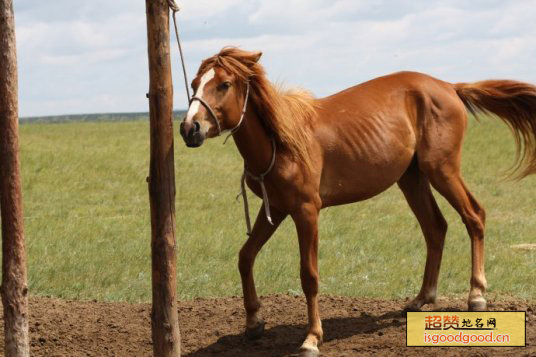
477	304
309	352
413	306
256	332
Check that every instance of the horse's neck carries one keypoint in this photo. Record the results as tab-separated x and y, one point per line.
254	144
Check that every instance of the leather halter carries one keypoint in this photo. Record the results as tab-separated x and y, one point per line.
258	178
215	117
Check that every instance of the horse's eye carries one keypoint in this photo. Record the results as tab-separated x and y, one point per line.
225	85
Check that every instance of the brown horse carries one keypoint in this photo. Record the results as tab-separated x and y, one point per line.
405	128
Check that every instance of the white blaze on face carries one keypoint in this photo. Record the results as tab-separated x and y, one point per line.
192	110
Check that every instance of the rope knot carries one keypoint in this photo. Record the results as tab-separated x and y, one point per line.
173	5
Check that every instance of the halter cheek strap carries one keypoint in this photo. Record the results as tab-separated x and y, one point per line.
237	126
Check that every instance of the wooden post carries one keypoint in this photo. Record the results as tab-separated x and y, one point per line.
14	284
161	180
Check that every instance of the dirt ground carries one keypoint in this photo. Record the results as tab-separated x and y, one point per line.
352	326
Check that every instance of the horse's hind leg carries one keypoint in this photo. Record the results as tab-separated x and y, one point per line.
447	179
416	188
261	232
442	121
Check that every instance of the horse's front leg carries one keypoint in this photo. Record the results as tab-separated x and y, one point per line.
306	224
261	232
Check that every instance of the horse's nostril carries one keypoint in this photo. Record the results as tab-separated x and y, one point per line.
197	126
191	132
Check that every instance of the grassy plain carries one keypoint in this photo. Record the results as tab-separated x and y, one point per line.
88	231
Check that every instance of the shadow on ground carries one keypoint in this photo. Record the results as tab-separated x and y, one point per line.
284	340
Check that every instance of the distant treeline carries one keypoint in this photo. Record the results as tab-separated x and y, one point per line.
179	114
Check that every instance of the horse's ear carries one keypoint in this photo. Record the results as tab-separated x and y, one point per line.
256	56
252	57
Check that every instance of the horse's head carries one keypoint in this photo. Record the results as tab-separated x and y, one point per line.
219	95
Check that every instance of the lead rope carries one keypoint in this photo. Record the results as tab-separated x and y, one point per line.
175	8
260	180
244	194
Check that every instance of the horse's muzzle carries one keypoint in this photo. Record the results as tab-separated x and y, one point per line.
191	134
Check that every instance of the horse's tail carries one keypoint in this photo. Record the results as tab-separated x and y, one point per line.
515	103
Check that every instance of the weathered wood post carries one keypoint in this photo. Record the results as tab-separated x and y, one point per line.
14	284
161	180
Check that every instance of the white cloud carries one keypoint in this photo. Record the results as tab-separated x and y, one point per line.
91	56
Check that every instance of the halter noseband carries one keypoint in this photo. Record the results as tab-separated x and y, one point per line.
215	118
207	107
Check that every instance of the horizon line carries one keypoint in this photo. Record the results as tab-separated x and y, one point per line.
92	114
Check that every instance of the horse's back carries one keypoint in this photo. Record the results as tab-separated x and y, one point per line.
382	88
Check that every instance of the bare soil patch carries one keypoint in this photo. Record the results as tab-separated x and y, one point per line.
209	327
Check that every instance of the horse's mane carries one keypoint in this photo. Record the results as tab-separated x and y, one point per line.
287	114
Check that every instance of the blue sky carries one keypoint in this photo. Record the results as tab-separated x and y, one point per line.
91	56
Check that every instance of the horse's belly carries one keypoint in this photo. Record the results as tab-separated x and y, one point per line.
350	177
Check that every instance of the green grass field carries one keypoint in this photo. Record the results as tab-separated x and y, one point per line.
88	232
